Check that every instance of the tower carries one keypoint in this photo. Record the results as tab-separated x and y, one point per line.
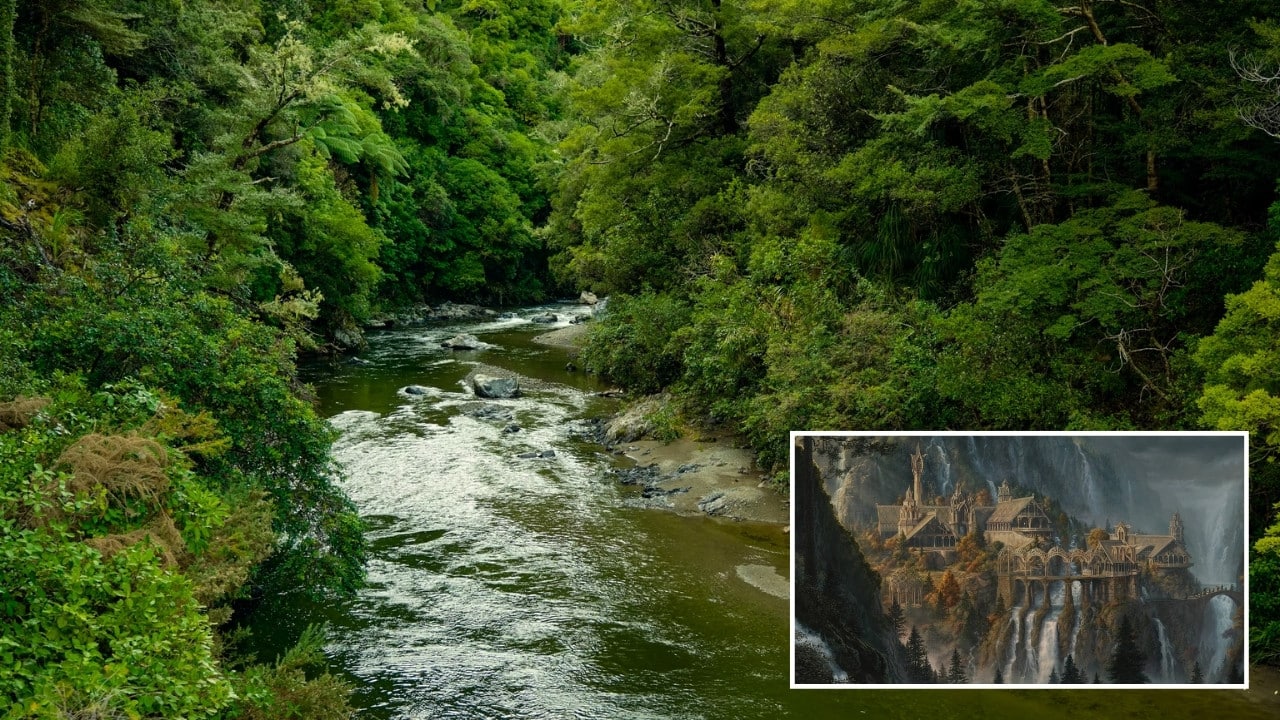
1175	526
917	469
1005	494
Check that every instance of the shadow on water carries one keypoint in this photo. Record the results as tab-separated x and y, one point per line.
502	587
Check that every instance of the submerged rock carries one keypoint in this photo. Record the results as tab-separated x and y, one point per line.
358	361
488	386
415	390
548	453
512	428
547	317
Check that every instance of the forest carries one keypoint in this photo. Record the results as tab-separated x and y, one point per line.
831	214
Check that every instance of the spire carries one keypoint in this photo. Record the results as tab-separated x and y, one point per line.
917	470
1175	526
1005	492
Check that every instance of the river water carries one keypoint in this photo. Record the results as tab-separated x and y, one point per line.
502	587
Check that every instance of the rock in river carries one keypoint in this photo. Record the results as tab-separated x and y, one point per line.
415	390
488	386
465	341
546	317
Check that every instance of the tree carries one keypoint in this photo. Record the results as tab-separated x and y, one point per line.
897	619
1053	676
1127	659
1071	674
919	669
1197	676
949	593
999	678
956	674
1096	680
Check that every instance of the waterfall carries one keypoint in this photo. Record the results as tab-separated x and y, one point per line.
1090	484
1077	590
1213	638
1166	653
1047	654
976	458
808	638
946	467
1016	621
1032	669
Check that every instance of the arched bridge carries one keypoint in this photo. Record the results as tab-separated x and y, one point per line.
1207	592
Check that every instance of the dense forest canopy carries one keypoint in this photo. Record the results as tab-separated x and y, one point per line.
822	215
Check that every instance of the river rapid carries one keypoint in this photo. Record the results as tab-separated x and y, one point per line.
502	587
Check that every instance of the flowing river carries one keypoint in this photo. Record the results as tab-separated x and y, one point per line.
508	587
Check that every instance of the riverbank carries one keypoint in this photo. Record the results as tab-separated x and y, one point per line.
708	475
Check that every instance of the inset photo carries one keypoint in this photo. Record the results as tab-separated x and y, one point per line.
1035	560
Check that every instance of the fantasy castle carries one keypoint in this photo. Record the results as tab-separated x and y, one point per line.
1029	560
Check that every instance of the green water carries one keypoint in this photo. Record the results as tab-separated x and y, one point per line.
510	588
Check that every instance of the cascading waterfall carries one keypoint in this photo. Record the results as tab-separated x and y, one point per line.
808	638
1047	653
1166	652
946	467
1213	637
1077	592
1016	621
976	458
1090	483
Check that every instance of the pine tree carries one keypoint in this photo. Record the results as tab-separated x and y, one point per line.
999	678
897	618
1197	675
1096	680
1127	660
918	668
1053	676
956	675
1071	674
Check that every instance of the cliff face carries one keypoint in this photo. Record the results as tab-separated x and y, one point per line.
837	594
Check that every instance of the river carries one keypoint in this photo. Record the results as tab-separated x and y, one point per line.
502	587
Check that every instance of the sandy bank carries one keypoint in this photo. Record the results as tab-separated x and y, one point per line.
713	478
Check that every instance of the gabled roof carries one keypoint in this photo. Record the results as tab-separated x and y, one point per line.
1007	511
1157	543
930	518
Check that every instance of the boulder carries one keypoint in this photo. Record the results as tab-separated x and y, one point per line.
548	453
488	386
547	317
465	341
588	298
350	338
415	390
512	428
636	422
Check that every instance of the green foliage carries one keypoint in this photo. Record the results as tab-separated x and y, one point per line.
1264	596
283	690
636	343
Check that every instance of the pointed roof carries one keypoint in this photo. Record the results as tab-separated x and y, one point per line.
930	518
1153	544
1008	510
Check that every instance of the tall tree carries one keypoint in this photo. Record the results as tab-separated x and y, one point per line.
1127	659
1071	674
956	673
897	619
